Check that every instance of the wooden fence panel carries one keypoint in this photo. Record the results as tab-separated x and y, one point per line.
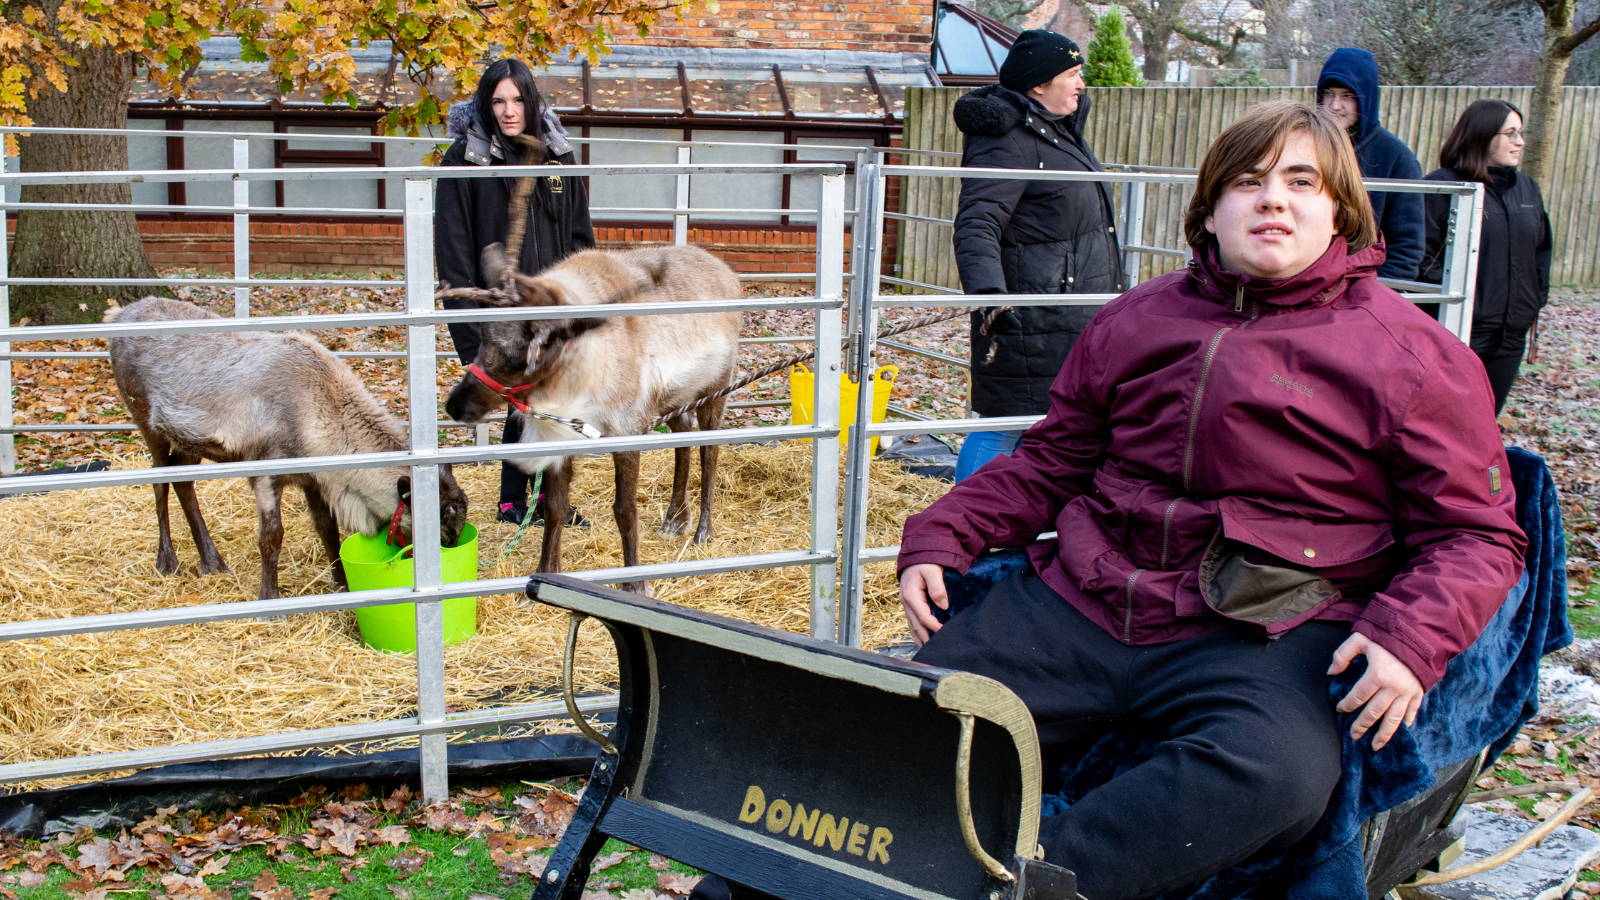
1173	126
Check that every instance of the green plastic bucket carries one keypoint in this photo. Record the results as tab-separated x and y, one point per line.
372	563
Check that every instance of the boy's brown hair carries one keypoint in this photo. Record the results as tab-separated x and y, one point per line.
1260	134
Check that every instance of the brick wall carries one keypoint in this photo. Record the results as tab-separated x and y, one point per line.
896	26
278	247
746	252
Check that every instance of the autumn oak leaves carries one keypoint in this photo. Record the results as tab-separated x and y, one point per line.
307	44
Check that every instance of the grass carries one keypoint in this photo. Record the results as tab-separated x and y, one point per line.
457	868
1586	619
1515	777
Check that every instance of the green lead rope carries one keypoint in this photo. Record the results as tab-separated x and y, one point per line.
538	481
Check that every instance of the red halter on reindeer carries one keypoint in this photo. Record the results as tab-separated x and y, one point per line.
609	376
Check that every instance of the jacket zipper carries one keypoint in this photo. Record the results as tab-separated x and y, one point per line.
1194	414
1127	623
1200	389
1166	531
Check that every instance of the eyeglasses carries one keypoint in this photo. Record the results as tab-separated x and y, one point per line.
1513	134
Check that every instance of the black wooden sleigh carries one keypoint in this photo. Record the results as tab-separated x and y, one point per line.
812	771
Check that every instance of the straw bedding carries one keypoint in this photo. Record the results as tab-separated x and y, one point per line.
91	552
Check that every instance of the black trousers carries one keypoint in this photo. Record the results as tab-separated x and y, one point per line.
1502	369
1249	752
1501	351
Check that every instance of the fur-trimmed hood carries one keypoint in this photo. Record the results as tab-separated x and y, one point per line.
993	111
482	148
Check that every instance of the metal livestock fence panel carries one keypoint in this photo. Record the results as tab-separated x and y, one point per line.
424	456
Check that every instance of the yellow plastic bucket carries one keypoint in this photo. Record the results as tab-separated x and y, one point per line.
372	563
803	391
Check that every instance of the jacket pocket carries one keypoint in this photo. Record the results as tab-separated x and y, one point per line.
1259	588
1035	268
1113	500
1147	603
1159	526
1262	566
1305	543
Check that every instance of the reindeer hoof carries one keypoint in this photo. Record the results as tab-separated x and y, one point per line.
642	588
167	563
674	527
214	567
702	534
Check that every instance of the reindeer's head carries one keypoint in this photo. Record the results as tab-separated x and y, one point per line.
516	354
452	505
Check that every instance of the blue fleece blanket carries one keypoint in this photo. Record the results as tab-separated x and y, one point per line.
1486	695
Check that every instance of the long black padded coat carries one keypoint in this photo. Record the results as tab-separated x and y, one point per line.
472	213
1029	237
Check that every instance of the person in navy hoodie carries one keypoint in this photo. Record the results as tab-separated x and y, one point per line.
1348	88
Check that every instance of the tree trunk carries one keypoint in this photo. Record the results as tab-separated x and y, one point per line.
1279	39
1538	158
1155	35
65	244
1073	20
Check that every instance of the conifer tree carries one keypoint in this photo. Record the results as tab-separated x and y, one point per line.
1111	55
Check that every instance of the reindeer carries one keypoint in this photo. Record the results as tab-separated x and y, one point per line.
234	397
614	375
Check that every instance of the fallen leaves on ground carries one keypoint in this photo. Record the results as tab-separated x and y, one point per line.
182	849
676	883
1554	411
510	854
409	862
601	863
546	815
266	888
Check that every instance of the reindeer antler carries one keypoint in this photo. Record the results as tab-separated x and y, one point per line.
533	153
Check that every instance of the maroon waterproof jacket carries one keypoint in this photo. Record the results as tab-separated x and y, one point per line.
1321	419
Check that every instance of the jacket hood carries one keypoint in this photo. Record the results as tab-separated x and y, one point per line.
992	111
464	122
1320	283
1357	70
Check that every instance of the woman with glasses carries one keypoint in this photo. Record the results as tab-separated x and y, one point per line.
1513	277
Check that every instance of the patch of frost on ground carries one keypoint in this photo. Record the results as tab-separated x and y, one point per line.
1567	694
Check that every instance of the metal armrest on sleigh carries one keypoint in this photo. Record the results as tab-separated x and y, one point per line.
802	768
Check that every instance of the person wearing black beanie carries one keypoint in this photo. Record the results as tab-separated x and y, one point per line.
1028	237
1037	57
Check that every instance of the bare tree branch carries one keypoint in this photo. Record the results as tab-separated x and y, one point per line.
1566	45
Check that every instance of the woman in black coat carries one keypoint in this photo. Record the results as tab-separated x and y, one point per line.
1513	277
472	213
1028	237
